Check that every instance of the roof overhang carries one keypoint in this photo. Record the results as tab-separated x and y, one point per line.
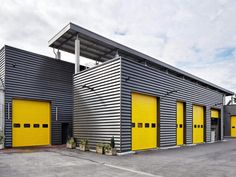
92	45
99	48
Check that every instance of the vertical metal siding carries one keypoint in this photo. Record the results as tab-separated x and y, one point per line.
148	80
97	112
33	76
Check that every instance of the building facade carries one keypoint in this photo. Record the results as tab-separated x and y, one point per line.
143	102
140	101
230	120
38	94
104	106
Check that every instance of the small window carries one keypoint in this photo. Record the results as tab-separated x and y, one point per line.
45	125
133	125
233	127
201	126
26	125
16	125
153	125
140	125
36	125
198	126
195	126
180	125
146	125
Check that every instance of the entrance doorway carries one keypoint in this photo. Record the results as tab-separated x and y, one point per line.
233	126
64	132
144	121
180	123
198	124
215	125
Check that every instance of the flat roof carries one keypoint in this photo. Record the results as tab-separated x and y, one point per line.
99	48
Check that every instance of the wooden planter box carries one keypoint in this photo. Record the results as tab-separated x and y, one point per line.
99	150
83	147
111	151
71	146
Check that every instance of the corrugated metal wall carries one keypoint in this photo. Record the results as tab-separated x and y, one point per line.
229	110
2	82
34	76
97	104
2	65
139	78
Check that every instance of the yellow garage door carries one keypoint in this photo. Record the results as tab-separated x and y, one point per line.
180	123
144	121
30	123
233	126
198	124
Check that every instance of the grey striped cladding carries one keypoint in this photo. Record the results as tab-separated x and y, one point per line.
102	102
97	104
33	76
147	80
2	65
229	110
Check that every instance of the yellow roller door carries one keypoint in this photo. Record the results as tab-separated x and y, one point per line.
144	121
233	126
180	123
198	124
30	123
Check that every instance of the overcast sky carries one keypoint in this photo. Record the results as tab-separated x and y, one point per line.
198	36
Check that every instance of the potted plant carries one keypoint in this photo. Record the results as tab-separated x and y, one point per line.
110	148
100	148
83	146
1	139
71	143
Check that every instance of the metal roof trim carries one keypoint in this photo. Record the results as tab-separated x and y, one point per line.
59	34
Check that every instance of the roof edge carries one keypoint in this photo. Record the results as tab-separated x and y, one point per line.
57	35
35	53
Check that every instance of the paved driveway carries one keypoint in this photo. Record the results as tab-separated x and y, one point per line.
208	160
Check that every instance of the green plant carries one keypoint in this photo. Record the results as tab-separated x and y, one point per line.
84	141
71	140
71	143
107	147
113	142
100	148
101	145
1	137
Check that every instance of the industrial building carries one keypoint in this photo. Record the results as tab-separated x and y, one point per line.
143	102
36	98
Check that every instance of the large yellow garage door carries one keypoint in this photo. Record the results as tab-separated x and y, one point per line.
180	123
198	124
144	121
30	123
233	126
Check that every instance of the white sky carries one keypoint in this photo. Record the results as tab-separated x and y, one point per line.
198	36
